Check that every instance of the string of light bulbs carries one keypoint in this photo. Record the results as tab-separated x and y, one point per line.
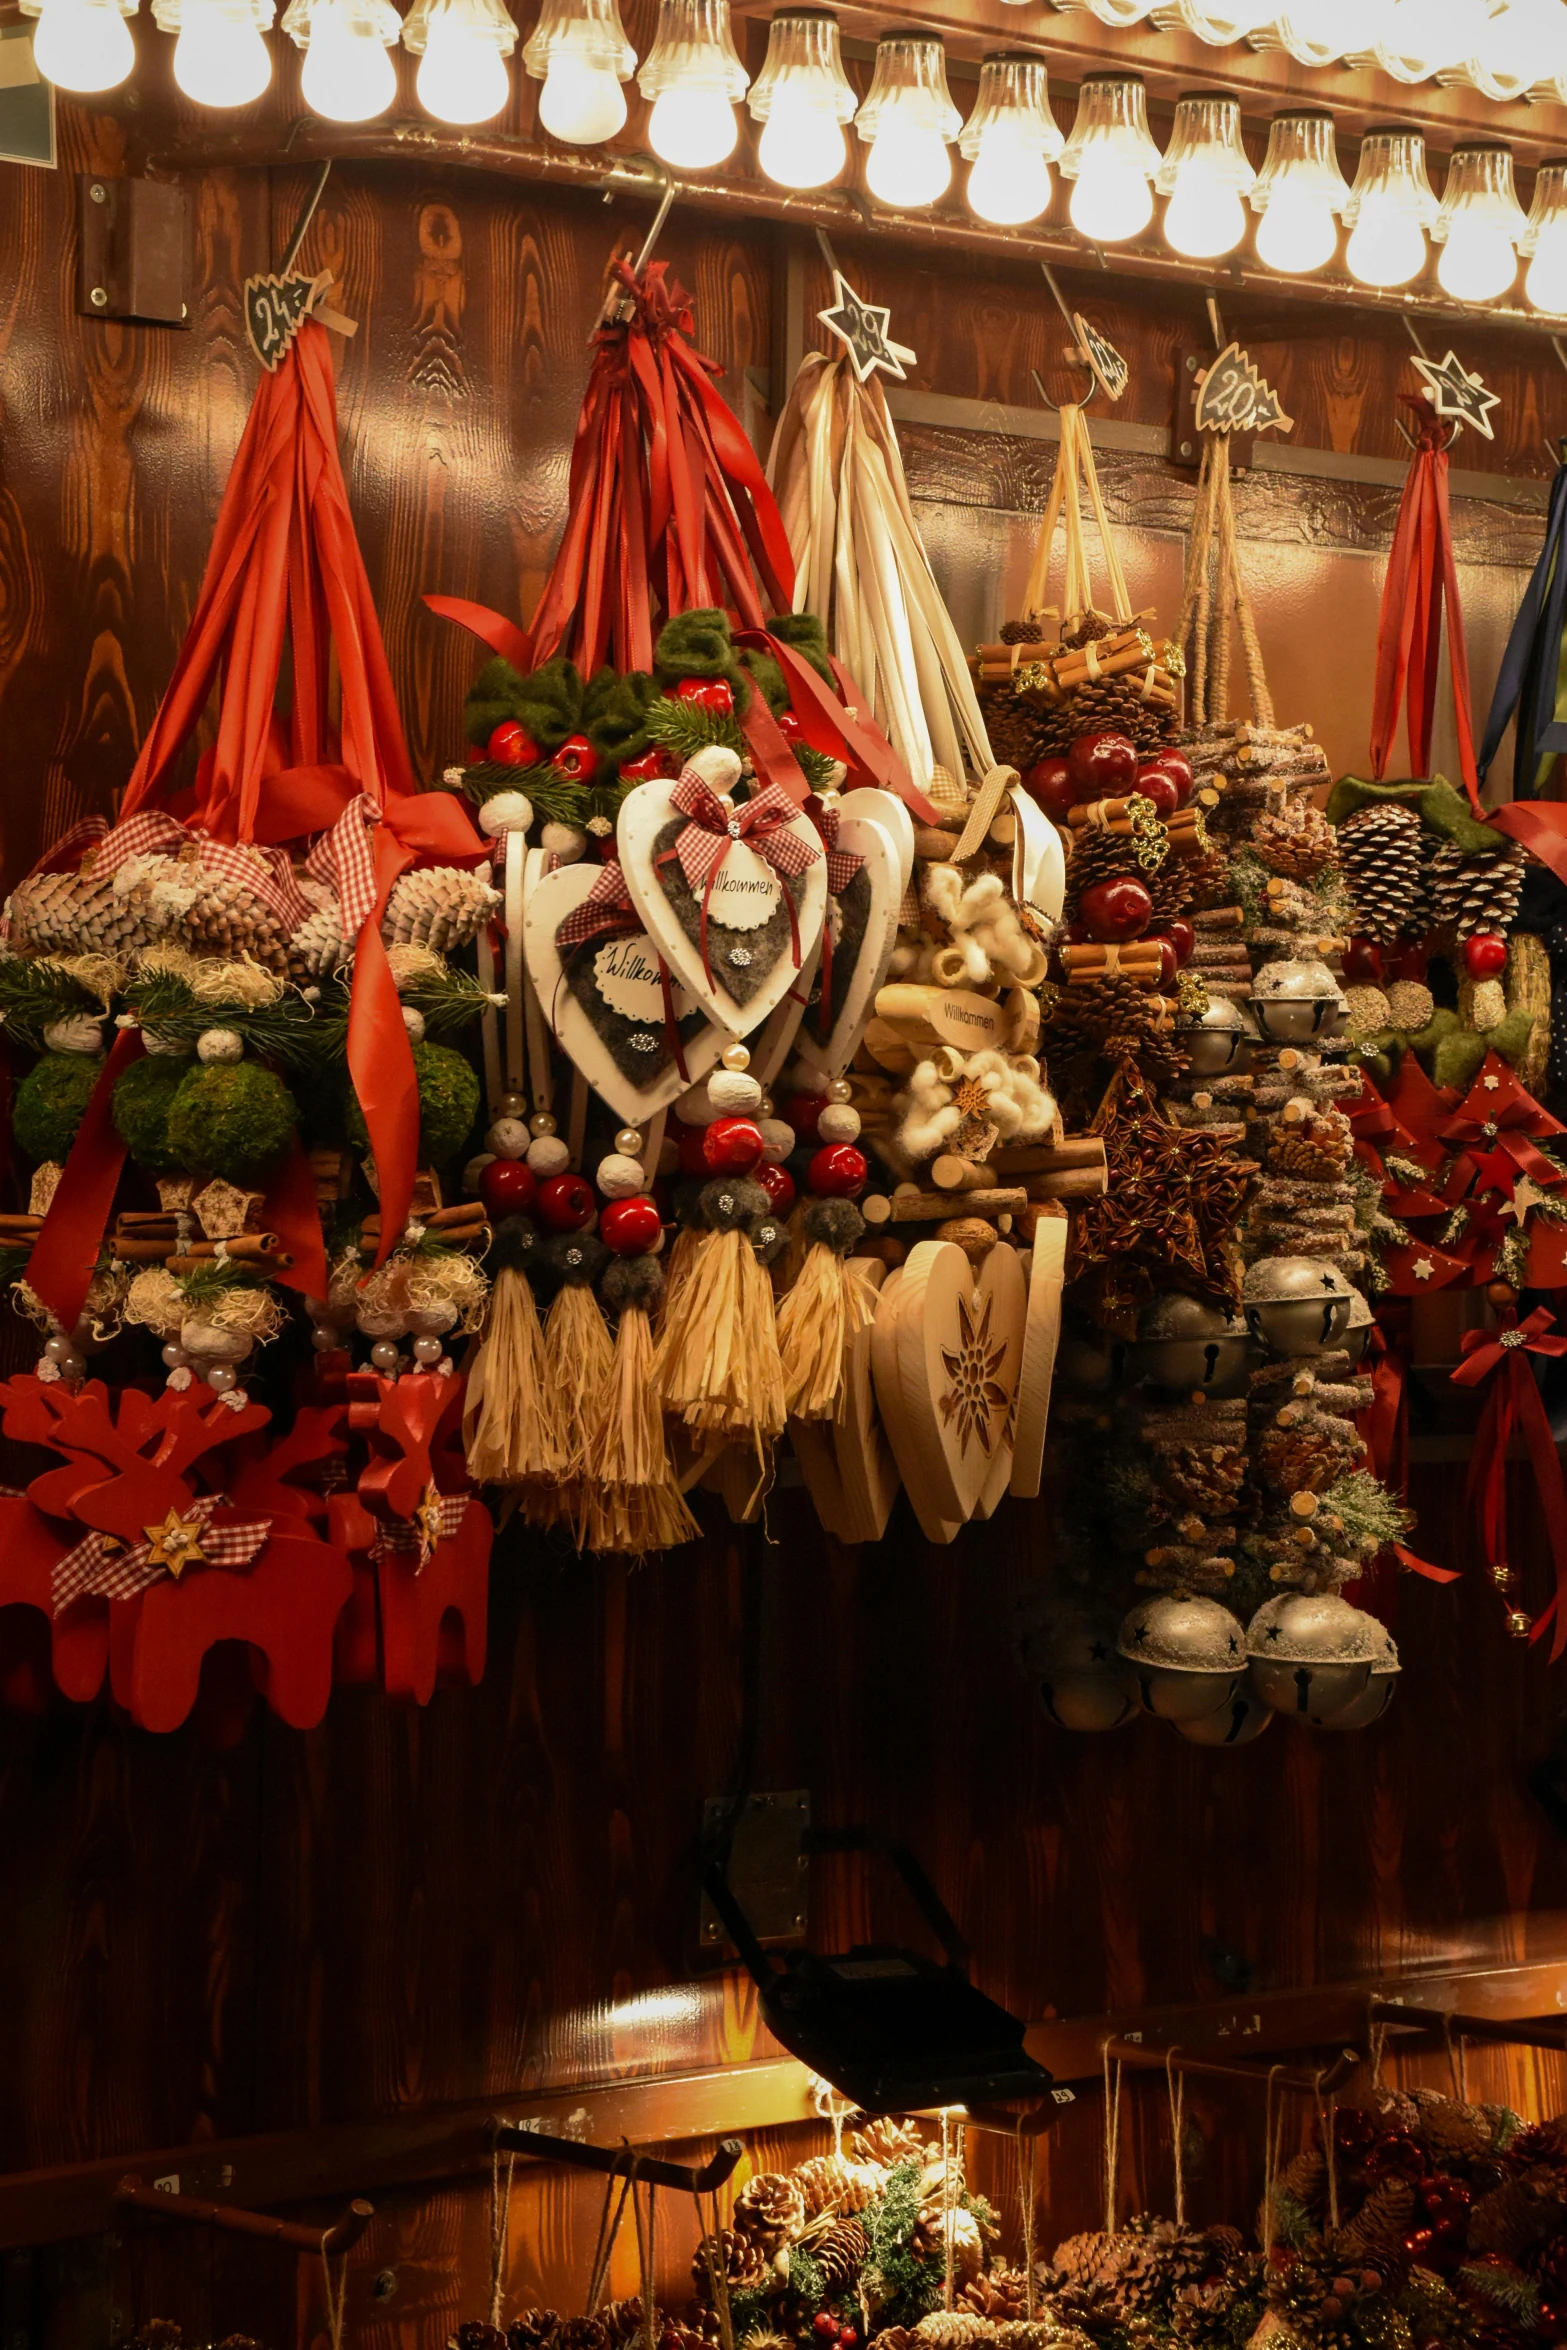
694	79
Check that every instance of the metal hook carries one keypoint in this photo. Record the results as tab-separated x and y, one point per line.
614	305
1216	323
305	218
1453	431
1075	357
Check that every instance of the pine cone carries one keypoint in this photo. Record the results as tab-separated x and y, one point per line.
1018	730
1517	2217
533	2329
159	2333
1170	889
894	2338
1380	848
937	2227
1020	632
239	2342
1296	840
827	2183
582	2333
1089	628
741	2262
999	2293
889	2142
1375	2236
1303	1460
1028	2333
623	2320
1098	855
770	2209
476	2333
1492	887
438	906
952	2329
840	2255
1207	1478
1316	1148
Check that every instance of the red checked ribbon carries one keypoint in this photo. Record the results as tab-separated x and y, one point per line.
765	823
1497	1359
842	866
1421	576
101	1565
607	912
437	1519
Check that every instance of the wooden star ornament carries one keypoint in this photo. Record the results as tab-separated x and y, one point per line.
862	327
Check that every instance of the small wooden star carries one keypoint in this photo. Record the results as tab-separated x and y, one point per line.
176	1544
862	326
1457	395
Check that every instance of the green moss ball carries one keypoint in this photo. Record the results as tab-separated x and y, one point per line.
230	1118
51	1102
143	1094
448	1104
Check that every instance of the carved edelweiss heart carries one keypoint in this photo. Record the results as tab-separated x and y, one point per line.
748	931
949	1374
605	1004
864	926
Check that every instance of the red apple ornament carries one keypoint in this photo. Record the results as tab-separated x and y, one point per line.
576	759
1169	961
566	1203
1049	782
838	1171
778	1184
1485	955
511	746
714	694
1183	937
508	1187
1116	909
732	1146
1102	765
630	1226
1157	785
1176	766
653	767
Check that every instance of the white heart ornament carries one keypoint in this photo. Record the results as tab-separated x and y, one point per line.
630	987
886	809
856	977
645	815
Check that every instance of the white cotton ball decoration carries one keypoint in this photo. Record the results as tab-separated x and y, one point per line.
220	1044
718	766
777	1140
413	1021
79	1034
171	1047
547	1155
839	1123
508	1138
505	811
475	1168
733	1092
619	1177
566	841
696	1108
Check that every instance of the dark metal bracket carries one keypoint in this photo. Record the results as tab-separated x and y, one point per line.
134	2194
623	2162
132	249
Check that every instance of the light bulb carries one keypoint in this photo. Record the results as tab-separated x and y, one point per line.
1296	232
1477	262
1387	246
1546	284
581	102
1010	181
693	128
802	143
908	165
1204	216
83	45
220	58
348	75
1111	200
462	76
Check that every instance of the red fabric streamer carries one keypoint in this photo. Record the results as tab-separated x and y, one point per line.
60	1268
1421	575
1497	1359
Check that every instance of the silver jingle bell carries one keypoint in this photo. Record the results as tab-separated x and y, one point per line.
1296	1305
1297	999
1188	1346
1187	1656
1237	1722
1310	1652
1220	1042
1357	1330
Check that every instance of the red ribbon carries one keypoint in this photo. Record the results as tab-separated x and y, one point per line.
1421	575
765	823
1512	1401
60	1268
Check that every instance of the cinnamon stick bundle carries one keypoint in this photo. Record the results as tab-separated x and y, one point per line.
1138	959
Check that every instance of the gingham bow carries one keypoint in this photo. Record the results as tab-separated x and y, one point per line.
437	1519
765	823
842	864
606	911
344	859
101	1564
265	872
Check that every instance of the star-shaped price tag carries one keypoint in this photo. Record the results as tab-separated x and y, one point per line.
862	326
176	1544
1457	395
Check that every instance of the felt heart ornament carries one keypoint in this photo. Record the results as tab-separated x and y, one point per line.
1041	1337
867	1472
595	973
886	809
886	1337
958	1355
858	936
734	902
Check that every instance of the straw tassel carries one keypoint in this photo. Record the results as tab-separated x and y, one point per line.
717	1361
510	1426
579	1362
634	1504
824	1310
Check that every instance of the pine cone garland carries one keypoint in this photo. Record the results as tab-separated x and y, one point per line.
736	2257
1380	849
770	2209
840	2255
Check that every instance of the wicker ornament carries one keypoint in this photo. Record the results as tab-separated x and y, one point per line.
1380	850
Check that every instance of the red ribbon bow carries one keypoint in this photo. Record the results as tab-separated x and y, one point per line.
842	866
1513	1401
765	823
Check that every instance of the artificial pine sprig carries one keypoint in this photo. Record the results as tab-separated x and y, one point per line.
35	992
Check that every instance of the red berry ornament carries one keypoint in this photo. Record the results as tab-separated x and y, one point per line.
652	767
630	1226
801	1111
732	1146
566	1203
508	1187
511	746
1103	765
1116	909
838	1171
707	693
1049	781
1182	937
1176	766
1363	965
576	759
825	2323
778	1184
1485	955
1156	785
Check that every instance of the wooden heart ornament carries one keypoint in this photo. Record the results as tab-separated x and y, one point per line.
956	1355
886	809
732	894
858	936
596	974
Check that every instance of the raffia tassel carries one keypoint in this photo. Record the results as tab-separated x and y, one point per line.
510	1425
824	1310
633	1504
579	1362
717	1361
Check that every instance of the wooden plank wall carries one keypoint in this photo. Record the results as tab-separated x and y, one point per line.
406	1907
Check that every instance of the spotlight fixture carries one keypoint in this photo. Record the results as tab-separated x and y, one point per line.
82	45
1479	223
1299	193
1545	239
1011	139
802	98
348	75
693	75
462	46
579	51
1390	207
1112	158
1204	174
908	121
220	58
